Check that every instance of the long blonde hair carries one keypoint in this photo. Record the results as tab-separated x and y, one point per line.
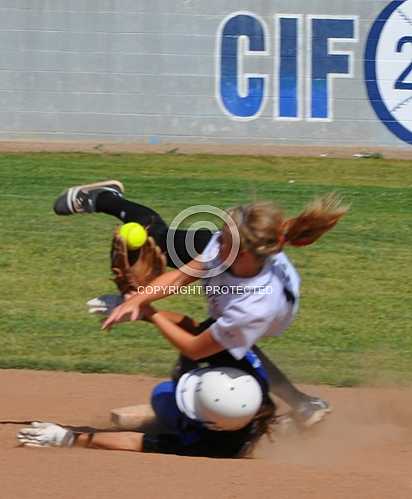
264	229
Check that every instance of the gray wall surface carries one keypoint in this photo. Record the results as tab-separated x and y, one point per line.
216	71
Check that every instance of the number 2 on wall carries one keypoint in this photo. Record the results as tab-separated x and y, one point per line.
400	83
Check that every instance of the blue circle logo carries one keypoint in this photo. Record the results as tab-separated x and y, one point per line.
388	68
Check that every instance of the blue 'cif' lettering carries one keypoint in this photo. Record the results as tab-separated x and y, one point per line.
242	95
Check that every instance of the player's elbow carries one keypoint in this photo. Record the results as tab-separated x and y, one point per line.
196	356
192	354
201	346
193	350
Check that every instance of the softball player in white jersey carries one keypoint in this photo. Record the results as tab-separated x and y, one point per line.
268	288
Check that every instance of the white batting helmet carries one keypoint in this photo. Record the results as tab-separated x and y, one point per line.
223	398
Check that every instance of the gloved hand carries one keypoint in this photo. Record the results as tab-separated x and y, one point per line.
45	435
104	304
129	277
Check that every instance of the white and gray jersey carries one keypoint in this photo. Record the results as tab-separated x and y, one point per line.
249	308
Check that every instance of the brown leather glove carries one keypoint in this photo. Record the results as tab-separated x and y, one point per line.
150	263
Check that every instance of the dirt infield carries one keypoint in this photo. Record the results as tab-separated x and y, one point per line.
330	151
363	450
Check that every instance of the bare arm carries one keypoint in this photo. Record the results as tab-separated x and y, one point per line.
131	441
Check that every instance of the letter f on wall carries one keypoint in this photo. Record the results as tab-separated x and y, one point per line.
326	63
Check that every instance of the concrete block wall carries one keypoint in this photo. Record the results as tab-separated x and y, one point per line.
221	71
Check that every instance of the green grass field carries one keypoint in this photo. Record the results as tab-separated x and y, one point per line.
356	308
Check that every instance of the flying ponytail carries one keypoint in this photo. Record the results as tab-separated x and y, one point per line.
264	230
317	218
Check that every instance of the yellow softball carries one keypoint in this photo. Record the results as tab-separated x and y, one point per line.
134	234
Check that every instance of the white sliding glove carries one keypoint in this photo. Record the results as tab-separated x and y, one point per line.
45	435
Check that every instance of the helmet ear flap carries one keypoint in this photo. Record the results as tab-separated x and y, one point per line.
223	399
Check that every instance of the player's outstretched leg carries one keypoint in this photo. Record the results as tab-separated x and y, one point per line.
306	409
82	198
107	197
